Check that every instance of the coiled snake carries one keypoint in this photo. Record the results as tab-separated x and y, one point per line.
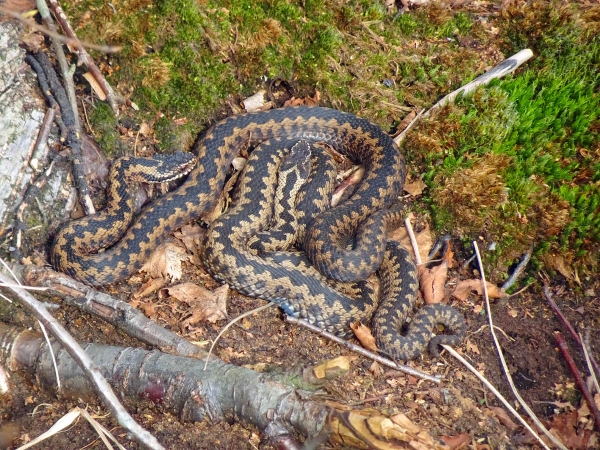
326	239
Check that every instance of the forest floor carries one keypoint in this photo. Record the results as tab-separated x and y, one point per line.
541	126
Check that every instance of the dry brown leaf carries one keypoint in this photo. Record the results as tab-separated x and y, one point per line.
432	282
191	236
332	368
376	369
166	262
359	429
472	347
95	86
349	182
456	442
464	288
504	418
308	101
363	334
415	188
408	118
564	427
205	305
152	285
33	41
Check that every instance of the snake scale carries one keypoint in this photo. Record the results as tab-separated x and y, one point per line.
362	220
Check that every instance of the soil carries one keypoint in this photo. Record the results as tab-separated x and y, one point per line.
263	341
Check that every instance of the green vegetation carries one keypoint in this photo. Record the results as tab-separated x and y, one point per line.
517	162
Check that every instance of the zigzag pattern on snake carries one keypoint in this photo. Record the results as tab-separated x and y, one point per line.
326	240
291	281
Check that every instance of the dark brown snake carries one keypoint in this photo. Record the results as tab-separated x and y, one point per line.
326	240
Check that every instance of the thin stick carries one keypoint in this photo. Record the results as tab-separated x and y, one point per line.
566	323
92	372
518	270
502	360
413	241
495	392
587	351
62	60
58	37
360	350
113	99
504	68
226	327
564	349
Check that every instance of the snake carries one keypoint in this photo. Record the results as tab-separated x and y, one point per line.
291	281
347	243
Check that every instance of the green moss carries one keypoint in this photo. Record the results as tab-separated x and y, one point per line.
104	125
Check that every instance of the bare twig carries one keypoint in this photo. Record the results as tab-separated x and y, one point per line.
118	313
413	241
567	324
362	351
58	37
504	68
62	60
113	99
495	392
518	270
503	361
91	371
589	358
43	68
564	349
231	322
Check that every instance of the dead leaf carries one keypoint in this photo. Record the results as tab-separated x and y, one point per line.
308	101
145	129
204	305
464	288
456	442
33	41
504	418
376	369
348	183
152	285
332	368
255	102
407	119
432	282
564	427
166	262
363	334
191	236
415	188
95	85
472	347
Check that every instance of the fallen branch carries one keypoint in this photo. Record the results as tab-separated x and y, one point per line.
114	311
83	364
43	68
568	325
511	383
65	40
113	99
362	351
222	391
507	66
62	60
564	349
